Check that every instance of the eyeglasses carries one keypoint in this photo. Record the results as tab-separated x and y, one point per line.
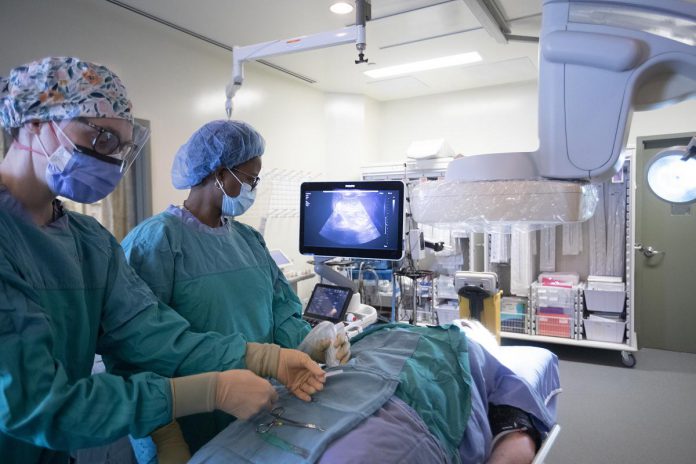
107	146
254	179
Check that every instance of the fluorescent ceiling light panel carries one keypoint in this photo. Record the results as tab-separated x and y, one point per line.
341	8
425	65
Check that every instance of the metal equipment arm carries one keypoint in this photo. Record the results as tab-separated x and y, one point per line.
355	33
325	271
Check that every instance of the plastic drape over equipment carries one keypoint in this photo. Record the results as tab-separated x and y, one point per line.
522	265
502	206
572	239
606	230
500	248
547	250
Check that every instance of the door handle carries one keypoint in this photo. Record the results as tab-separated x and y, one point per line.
648	251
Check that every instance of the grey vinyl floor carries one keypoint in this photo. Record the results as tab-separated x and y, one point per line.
613	414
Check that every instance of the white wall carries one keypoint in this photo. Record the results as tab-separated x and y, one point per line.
488	120
345	134
496	119
352	134
673	119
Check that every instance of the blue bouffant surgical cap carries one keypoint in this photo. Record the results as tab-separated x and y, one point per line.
218	143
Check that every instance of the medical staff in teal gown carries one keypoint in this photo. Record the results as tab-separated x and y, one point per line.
212	269
67	291
230	285
220	279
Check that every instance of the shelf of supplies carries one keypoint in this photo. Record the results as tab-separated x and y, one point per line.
570	341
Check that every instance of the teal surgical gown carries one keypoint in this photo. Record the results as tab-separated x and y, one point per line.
66	293
220	279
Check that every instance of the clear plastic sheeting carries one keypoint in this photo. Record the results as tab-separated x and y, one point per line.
607	232
615	209
522	266
598	237
502	206
547	249
500	248
572	239
669	26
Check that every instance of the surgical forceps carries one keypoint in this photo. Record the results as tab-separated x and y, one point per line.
279	420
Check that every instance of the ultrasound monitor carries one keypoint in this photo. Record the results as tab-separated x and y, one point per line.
352	219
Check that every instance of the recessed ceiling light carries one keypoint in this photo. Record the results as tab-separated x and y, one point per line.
425	65
341	8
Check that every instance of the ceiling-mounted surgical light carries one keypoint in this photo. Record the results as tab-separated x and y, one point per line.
671	174
341	8
425	65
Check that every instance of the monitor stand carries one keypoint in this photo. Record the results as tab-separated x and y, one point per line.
327	272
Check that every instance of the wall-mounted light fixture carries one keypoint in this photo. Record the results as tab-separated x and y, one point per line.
671	174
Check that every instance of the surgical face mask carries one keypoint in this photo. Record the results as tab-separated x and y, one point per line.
80	177
236	206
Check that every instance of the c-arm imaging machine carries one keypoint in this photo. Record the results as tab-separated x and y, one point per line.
599	60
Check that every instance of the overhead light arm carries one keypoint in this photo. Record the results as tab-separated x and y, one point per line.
355	33
491	18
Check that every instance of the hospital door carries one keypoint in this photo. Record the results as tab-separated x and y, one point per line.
665	284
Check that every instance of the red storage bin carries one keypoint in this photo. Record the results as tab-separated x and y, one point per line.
555	326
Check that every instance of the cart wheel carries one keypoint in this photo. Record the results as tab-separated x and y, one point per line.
628	359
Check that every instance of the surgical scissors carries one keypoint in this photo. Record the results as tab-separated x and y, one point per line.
279	420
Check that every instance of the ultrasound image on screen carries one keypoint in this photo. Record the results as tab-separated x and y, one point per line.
352	219
327	301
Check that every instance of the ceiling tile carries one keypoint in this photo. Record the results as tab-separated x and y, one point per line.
519	8
438	20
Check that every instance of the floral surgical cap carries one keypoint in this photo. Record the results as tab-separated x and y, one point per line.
218	143
58	88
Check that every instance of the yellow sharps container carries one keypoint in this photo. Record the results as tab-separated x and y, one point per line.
490	316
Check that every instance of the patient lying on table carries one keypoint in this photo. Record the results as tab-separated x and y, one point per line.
408	395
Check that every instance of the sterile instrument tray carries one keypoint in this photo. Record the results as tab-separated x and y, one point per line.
531	201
